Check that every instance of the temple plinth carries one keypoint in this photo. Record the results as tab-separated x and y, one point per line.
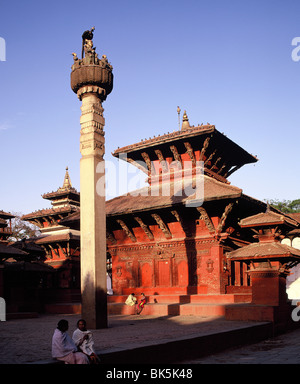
92	81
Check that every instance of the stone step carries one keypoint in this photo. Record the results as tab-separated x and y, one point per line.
221	299
152	298
162	305
166	290
203	310
184	299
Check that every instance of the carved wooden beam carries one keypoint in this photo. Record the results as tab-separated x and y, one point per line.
226	212
221	169
47	251
190	152
176	155
204	216
127	230
204	148
138	165
210	157
37	222
62	249
233	170
162	225
183	226
161	160
74	251
148	162
47	220
54	250
110	237
145	228
216	162
53	221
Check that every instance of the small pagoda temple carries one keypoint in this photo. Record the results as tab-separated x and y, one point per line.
60	243
269	262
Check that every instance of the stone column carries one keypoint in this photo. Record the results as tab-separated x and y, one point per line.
92	210
92	81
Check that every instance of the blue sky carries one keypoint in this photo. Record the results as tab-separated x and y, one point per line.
226	62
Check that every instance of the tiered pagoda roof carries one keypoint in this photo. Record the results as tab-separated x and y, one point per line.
64	201
151	197
269	218
6	215
221	156
65	195
270	227
5	230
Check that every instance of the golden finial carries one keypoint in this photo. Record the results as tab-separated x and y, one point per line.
67	181
185	122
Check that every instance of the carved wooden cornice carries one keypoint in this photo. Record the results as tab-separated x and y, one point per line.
179	247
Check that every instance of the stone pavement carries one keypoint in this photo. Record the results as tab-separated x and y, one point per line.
282	349
137	339
150	339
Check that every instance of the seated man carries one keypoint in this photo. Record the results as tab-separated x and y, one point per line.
83	339
64	348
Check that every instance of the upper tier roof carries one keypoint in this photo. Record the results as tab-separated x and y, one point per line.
151	197
215	146
268	218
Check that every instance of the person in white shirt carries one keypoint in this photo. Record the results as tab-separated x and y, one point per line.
131	300
84	341
64	348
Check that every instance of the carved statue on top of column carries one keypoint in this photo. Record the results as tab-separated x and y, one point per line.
87	43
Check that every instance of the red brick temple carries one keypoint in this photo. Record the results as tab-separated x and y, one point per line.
168	245
183	248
